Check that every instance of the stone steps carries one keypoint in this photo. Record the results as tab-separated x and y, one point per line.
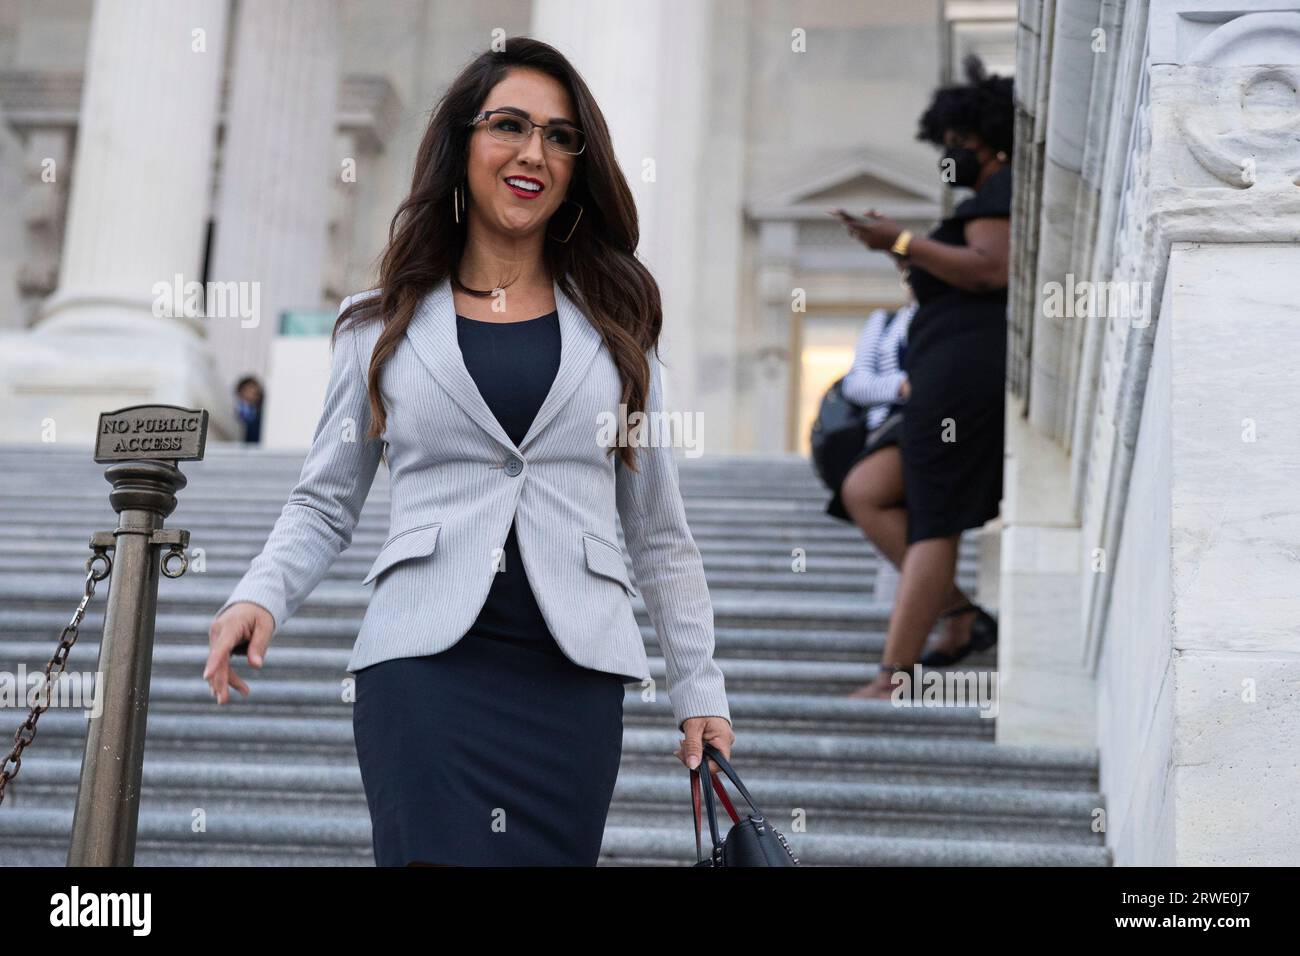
279	840
276	773
312	680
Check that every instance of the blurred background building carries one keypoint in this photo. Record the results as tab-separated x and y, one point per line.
267	145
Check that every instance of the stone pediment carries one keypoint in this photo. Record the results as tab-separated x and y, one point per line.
851	177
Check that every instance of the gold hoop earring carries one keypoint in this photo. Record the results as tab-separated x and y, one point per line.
571	228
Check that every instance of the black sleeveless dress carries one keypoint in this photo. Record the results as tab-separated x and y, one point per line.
952	434
499	750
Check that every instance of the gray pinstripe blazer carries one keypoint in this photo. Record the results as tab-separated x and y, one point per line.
456	482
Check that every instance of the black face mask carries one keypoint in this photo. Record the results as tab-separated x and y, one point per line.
965	166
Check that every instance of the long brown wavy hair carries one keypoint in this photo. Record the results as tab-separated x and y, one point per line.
425	244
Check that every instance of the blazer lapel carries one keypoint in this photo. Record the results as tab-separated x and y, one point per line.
432	333
579	342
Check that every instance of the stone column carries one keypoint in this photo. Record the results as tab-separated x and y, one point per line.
647	66
137	219
777	327
1073	60
274	201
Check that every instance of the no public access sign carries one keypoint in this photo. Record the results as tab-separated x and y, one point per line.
165	432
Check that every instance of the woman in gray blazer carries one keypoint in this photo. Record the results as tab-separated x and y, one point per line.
497	369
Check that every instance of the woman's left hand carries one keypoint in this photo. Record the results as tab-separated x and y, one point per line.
879	232
702	730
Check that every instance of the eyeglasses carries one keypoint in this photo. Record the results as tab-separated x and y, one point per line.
513	128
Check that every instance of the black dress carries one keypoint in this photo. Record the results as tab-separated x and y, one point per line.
499	750
952	433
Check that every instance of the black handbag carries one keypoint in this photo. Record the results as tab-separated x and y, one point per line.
839	433
886	433
752	841
837	436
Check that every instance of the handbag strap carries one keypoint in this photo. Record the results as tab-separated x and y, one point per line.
721	761
695	816
698	823
900	349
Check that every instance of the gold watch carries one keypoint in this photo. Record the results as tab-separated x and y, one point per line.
902	244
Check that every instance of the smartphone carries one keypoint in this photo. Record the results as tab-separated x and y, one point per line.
850	219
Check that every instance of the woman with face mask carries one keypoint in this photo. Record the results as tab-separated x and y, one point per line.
952	434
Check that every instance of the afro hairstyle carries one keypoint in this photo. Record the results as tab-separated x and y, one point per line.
983	105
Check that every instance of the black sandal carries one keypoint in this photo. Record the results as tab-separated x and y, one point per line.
912	688
983	635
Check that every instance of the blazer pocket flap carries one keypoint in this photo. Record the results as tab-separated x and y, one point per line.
606	560
412	543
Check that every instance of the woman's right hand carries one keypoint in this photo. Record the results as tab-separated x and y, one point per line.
904	389
242	622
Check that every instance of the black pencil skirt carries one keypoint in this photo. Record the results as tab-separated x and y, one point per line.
490	753
952	439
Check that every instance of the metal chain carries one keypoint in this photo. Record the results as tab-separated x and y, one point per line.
27	730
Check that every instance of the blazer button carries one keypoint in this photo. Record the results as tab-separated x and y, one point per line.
514	466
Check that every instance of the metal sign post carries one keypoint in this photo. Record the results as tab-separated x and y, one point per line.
143	442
